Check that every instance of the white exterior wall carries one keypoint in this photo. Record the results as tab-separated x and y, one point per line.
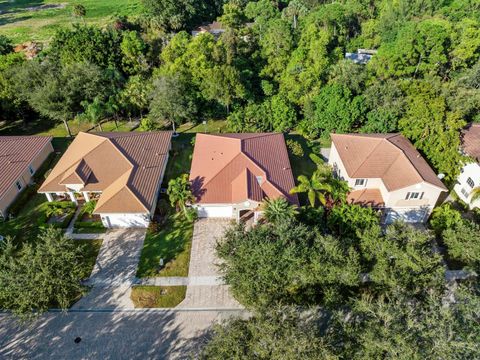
224	210
396	205
470	170
125	220
214	211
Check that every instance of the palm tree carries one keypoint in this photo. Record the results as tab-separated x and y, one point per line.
180	194
276	210
315	188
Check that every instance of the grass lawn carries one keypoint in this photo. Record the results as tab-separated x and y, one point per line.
22	24
46	127
172	243
157	296
180	157
211	127
91	249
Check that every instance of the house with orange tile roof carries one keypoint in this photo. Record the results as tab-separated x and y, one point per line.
123	171
20	158
232	174
385	171
469	178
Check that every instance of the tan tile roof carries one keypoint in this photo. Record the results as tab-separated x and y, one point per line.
232	168
125	167
471	141
390	157
16	153
369	197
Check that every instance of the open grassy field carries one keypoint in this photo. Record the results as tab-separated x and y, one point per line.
37	20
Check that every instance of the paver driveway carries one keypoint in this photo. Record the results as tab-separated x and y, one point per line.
107	335
203	269
114	271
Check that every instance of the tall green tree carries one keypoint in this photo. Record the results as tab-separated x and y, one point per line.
37	277
171	100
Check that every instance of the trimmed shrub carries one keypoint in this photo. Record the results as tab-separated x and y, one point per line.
295	147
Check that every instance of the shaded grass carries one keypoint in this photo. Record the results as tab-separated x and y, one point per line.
172	243
91	249
157	296
180	157
22	25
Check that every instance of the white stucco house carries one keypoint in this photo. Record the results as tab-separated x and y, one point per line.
232	174
469	178
121	171
386	172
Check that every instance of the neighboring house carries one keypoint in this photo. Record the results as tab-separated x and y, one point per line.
123	171
232	174
20	158
386	172
469	178
215	28
362	56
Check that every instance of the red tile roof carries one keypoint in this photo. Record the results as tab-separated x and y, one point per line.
232	168
16	153
369	197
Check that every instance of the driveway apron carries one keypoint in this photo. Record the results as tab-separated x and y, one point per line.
114	271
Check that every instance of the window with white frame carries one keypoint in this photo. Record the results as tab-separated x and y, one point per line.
414	196
465	192
470	182
18	184
30	169
360	182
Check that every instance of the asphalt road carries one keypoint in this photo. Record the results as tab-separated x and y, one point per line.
109	335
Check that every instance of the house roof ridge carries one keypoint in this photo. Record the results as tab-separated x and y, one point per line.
367	157
419	173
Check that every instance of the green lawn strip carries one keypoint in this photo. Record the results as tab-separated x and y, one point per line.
211	127
172	243
91	250
49	128
22	25
180	157
157	296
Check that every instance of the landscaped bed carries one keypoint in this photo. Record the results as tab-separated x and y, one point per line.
87	222
157	296
171	242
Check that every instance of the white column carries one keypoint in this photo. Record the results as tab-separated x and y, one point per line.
72	197
85	196
49	197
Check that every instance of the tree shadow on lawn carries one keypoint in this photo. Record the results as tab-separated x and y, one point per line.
172	244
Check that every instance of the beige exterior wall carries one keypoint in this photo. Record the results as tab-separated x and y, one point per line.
392	199
24	179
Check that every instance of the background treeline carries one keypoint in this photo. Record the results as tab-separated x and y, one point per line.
279	66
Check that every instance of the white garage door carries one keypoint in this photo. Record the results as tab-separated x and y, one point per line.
125	220
215	211
406	215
